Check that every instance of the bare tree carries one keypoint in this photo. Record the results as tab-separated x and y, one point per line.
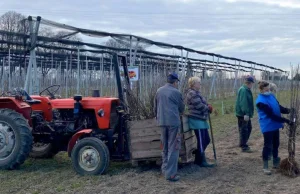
13	22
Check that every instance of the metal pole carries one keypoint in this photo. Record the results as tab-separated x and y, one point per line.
51	81
67	77
3	75
56	66
214	77
37	24
9	74
134	56
96	77
28	77
78	70
130	52
177	66
181	61
71	73
86	76
101	74
140	77
236	75
39	78
59	76
110	77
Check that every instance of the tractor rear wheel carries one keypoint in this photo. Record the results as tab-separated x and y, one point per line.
15	139
43	150
90	156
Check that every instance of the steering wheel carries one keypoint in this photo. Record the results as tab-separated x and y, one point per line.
51	93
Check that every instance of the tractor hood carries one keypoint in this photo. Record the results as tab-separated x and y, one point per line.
87	102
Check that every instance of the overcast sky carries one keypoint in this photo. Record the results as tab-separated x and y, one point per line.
264	31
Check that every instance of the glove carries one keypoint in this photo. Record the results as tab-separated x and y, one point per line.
246	118
210	108
291	110
289	122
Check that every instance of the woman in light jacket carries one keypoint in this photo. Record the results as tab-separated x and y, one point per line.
198	111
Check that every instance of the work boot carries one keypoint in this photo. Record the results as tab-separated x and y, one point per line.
266	169
247	150
204	162
174	178
276	162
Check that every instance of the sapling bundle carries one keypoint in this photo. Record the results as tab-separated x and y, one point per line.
137	108
289	166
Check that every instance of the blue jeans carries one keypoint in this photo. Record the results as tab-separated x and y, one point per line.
271	144
203	139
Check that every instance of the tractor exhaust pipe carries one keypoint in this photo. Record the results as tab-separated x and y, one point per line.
96	93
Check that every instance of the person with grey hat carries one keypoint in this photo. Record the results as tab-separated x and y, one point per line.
168	106
244	111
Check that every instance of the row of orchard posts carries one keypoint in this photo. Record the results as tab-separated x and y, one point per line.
82	80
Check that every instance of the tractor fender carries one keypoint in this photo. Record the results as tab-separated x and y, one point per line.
19	106
75	137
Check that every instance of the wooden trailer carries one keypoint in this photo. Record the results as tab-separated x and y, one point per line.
145	143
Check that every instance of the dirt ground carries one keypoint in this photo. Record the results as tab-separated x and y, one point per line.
236	173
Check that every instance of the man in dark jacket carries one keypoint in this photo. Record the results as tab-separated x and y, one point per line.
168	107
244	111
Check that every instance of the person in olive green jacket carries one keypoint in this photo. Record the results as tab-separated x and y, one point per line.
244	111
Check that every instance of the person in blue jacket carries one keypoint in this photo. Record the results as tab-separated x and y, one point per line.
270	121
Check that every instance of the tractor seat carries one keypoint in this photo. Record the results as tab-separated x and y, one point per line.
33	101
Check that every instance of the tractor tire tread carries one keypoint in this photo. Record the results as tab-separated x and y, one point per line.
25	137
104	153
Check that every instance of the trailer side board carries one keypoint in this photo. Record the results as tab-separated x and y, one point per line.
145	142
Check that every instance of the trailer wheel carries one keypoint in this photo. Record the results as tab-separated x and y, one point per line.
90	156
15	139
43	150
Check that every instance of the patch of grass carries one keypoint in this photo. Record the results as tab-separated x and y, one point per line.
60	188
75	185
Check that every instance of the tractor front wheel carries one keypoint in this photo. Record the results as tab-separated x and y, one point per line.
90	156
15	139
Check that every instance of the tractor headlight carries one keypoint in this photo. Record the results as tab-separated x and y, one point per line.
101	113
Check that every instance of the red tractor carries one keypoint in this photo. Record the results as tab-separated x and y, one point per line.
91	129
